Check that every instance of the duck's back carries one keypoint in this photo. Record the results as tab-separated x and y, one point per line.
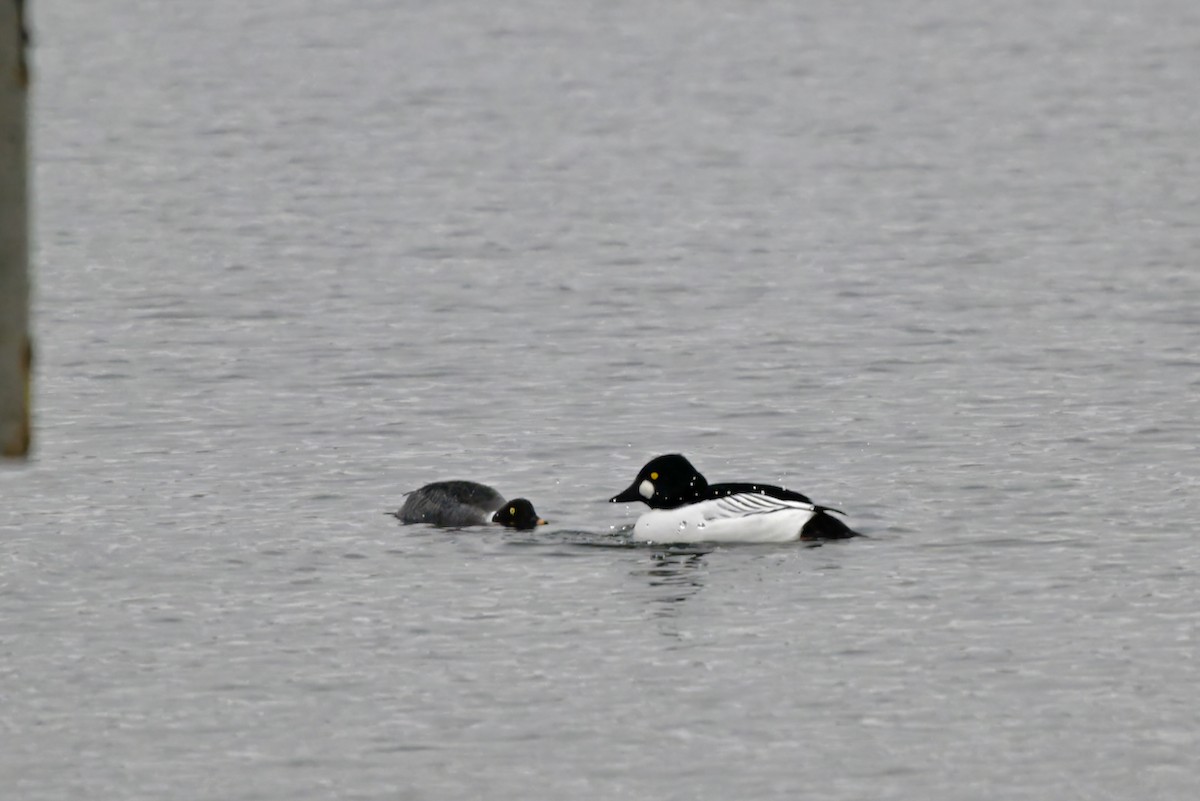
451	503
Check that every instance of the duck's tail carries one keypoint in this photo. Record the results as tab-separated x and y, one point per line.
824	526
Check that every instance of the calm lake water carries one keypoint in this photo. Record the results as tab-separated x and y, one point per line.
930	263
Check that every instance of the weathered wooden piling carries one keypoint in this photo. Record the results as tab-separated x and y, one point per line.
16	348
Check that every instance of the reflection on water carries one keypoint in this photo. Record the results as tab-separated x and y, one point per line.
675	576
674	573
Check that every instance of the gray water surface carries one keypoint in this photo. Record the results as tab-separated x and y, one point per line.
929	263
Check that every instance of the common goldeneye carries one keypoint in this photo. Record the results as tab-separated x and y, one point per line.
684	507
465	503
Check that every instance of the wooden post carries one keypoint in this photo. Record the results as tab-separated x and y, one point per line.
16	349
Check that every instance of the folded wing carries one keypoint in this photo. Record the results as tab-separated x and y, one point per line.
745	517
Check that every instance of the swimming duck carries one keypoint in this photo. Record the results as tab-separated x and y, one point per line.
456	504
684	507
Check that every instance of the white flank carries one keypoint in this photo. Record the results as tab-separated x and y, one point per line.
747	517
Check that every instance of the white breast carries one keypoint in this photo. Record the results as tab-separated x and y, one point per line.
746	517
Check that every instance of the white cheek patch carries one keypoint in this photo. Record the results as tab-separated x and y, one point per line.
646	489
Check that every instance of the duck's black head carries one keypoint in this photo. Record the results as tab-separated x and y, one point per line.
518	513
664	483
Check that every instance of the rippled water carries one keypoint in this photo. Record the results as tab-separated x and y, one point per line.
931	264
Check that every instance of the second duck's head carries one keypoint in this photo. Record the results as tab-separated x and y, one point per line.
518	513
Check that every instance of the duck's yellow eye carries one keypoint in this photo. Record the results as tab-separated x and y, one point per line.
512	510
654	476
